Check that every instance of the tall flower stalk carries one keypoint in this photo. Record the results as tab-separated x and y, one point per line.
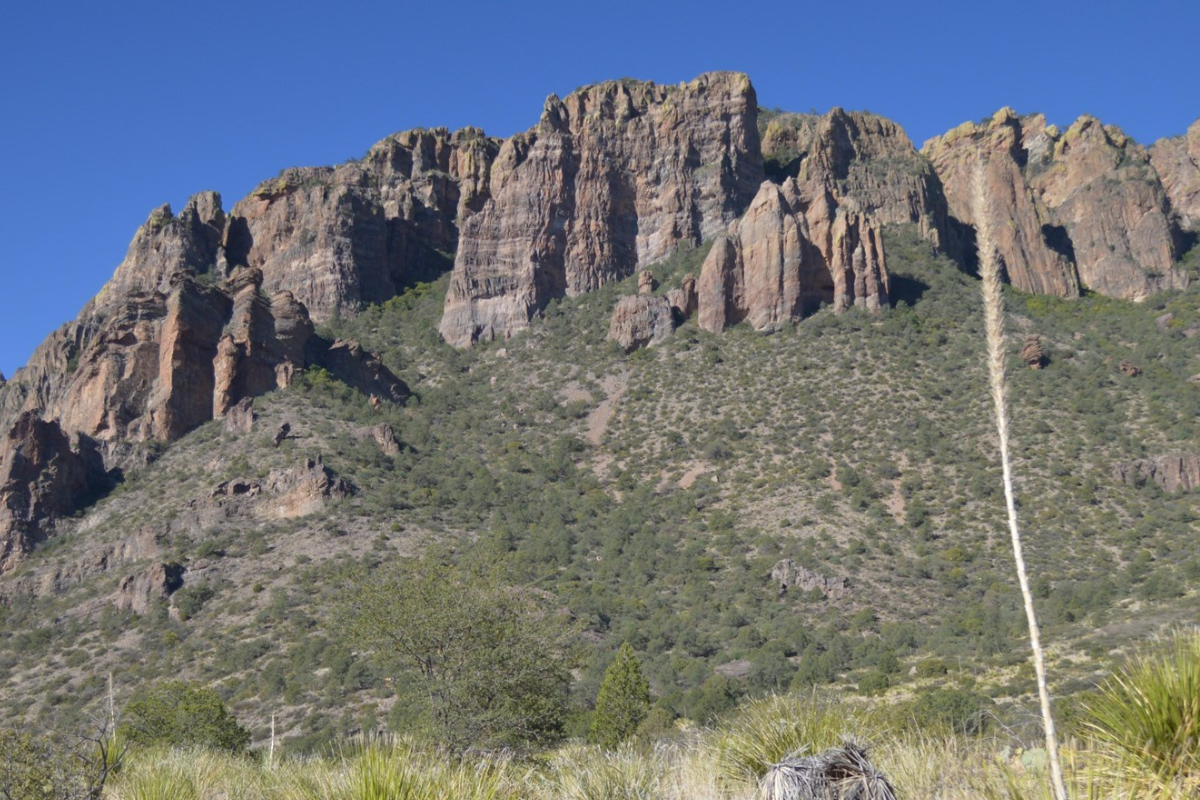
993	307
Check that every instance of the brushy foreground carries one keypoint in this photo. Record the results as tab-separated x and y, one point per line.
720	764
949	767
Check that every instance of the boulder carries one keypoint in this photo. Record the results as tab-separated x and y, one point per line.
641	321
139	592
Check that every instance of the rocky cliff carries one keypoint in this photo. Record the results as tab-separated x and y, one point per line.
614	176
786	256
1177	162
341	237
175	339
865	162
1077	209
43	476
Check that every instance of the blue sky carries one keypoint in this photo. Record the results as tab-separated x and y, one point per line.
111	109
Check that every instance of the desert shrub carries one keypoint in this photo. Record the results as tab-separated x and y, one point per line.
181	714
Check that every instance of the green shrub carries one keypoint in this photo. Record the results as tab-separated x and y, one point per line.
765	731
180	714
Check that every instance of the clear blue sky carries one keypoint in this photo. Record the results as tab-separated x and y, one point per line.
110	109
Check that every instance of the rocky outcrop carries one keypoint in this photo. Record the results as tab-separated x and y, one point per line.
240	418
302	490
384	435
864	162
788	575
1177	162
180	346
42	479
1032	352
786	256
1177	473
683	298
1034	254
138	593
613	177
359	368
1101	187
341	237
1080	209
641	320
166	246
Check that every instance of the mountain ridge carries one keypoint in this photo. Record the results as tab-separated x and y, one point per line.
293	329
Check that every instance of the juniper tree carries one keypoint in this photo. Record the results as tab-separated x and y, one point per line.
623	701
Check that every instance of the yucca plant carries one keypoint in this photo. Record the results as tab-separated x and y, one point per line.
1147	714
767	730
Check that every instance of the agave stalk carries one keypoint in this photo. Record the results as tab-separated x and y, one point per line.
993	306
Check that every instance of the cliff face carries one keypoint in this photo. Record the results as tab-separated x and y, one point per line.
786	256
42	477
863	161
167	345
613	177
341	237
1023	226
1177	162
1080	209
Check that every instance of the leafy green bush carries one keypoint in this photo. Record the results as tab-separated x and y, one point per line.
181	714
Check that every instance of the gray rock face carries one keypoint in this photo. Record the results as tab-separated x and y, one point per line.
1176	473
139	592
789	575
613	177
864	162
1080	209
1177	162
43	477
341	237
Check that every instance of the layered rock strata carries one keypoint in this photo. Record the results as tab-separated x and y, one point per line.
614	176
341	237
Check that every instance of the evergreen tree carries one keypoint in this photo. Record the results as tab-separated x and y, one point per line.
623	701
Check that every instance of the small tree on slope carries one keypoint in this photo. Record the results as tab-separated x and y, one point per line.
623	701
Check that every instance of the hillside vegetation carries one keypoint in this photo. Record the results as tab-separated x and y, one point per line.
651	496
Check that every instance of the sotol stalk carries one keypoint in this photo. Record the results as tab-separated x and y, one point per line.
993	305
